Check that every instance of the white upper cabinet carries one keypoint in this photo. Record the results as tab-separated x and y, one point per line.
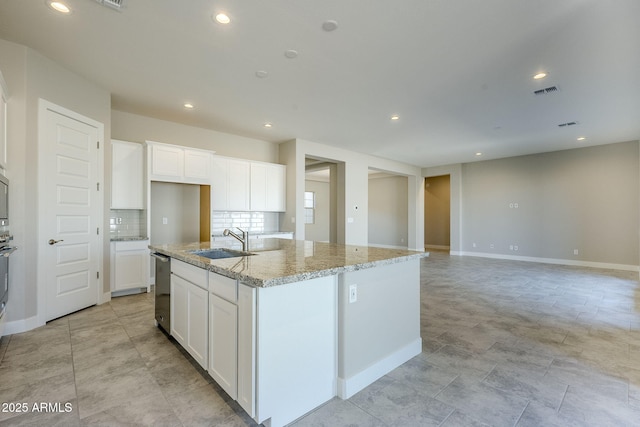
4	98
127	177
172	163
197	166
242	185
230	184
267	187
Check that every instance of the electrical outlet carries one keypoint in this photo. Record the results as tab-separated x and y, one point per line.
510	247
575	252
353	293
515	247
474	245
165	220
491	246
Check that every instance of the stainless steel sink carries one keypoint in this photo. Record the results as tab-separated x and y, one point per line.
220	253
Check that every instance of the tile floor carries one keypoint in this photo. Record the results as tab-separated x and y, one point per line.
505	344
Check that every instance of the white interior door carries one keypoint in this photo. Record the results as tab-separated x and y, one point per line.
70	211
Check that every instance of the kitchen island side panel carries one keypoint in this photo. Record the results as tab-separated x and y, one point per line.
381	329
296	348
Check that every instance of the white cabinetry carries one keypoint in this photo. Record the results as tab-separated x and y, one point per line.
172	163
267	187
127	175
130	261
4	98
230	184
189	309
223	332
242	185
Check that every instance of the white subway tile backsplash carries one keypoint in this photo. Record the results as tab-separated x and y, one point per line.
254	222
127	223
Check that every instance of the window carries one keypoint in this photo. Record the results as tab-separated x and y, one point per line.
309	207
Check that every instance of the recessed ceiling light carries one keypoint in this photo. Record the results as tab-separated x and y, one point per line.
58	6
395	117
329	25
540	75
222	18
188	106
478	154
291	53
261	74
581	138
268	125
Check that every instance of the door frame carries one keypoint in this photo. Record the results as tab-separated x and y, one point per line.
43	106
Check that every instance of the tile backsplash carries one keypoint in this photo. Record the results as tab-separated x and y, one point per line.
254	222
127	223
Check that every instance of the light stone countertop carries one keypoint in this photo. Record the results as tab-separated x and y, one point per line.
127	238
281	261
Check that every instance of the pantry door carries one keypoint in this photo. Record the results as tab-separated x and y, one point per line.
70	211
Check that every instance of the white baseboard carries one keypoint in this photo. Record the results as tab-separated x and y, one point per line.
347	387
604	265
19	326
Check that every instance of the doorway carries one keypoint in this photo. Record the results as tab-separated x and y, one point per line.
321	200
388	209
437	213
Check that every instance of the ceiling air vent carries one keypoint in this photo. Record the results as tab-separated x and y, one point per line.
547	90
113	4
567	124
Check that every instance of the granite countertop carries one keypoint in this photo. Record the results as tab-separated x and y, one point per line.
128	238
280	261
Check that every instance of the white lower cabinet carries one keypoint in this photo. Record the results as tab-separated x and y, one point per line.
223	333
217	327
190	314
130	265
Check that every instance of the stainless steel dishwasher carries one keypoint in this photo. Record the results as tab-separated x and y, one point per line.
163	291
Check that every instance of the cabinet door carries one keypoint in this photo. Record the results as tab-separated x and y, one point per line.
198	325
239	172
127	175
275	188
246	348
219	184
267	187
258	187
179	309
167	163
223	329
131	269
197	167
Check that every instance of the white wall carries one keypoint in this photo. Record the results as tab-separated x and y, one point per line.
136	128
388	216
31	76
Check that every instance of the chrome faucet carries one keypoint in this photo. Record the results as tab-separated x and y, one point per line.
244	239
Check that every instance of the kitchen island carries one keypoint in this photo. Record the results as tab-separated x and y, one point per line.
296	322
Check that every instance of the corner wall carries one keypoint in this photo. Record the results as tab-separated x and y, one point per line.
31	76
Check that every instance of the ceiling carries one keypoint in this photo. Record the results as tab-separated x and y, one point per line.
458	73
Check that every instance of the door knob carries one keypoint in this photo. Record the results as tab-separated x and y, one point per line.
53	242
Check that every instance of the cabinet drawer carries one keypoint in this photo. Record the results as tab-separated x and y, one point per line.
224	287
191	273
131	245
